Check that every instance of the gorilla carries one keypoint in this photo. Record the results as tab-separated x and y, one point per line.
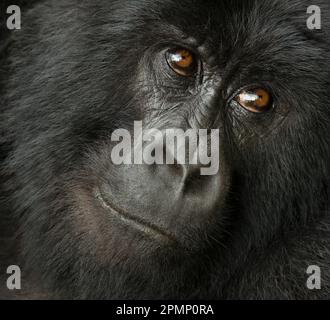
81	227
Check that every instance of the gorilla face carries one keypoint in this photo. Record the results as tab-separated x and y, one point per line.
247	68
200	69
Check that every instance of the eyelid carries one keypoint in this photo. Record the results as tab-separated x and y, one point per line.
232	92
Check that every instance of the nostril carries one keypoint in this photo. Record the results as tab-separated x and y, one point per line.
195	182
177	169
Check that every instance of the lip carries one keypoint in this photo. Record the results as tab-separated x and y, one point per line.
137	223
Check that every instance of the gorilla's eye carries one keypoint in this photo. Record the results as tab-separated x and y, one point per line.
182	61
256	100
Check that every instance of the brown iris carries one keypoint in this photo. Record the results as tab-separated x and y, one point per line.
182	62
255	100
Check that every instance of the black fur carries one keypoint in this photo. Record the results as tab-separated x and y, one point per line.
69	78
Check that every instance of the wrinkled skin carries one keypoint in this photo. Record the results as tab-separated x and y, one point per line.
77	71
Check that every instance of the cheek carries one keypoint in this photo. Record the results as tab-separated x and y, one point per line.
101	237
247	129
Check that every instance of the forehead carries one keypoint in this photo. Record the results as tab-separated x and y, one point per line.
220	25
249	38
222	16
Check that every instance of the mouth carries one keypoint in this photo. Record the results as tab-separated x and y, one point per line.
144	227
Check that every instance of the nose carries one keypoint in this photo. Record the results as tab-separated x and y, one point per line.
171	193
183	172
188	159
